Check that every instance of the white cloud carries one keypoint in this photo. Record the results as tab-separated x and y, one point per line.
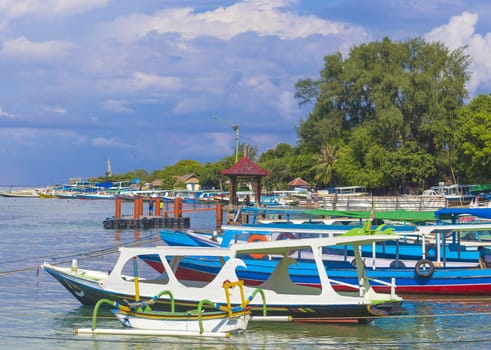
56	109
139	81
143	81
41	8
5	114
118	106
23	49
459	32
105	142
264	17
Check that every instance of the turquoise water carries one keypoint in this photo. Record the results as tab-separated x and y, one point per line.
38	312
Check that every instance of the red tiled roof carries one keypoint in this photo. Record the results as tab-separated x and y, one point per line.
298	182
245	166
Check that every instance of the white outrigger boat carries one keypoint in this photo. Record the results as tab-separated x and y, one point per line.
209	319
287	290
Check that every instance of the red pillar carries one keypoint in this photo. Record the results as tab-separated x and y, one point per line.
140	206
157	206
219	215
118	208
177	207
135	208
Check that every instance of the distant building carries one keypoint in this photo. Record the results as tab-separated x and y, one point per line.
298	183
190	180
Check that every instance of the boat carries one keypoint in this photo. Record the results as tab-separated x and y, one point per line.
21	193
209	319
455	194
445	244
300	301
96	195
428	275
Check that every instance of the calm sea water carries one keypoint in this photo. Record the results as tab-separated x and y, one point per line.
37	312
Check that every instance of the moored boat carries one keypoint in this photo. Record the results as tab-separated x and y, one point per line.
209	319
359	303
427	275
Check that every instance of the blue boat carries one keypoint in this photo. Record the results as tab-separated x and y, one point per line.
424	277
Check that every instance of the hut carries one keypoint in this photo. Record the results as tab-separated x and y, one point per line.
297	184
245	169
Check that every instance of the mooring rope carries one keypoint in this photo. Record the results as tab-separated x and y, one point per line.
62	258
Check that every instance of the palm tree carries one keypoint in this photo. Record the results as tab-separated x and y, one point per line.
324	169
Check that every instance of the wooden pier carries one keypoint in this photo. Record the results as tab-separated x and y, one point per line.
158	217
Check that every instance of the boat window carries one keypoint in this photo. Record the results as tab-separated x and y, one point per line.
149	269
283	274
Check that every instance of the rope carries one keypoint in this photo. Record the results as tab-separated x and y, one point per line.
67	257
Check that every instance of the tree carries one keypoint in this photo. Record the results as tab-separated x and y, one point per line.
474	136
383	96
324	169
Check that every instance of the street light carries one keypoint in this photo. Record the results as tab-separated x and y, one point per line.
235	128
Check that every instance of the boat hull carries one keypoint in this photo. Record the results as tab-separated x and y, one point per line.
186	323
89	292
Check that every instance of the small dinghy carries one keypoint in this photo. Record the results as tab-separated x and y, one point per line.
209	319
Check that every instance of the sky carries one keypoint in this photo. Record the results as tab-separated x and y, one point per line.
150	82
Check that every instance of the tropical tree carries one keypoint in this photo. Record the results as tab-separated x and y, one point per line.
379	98
474	136
324	169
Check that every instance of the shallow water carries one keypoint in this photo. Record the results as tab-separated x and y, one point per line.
38	312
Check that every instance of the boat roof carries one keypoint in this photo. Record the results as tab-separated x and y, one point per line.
395	215
284	246
271	247
308	228
453	227
452	212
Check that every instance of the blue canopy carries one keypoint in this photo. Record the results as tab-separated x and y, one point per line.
484	213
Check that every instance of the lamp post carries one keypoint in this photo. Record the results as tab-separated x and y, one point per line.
235	127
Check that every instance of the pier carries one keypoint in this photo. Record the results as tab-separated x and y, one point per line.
158	216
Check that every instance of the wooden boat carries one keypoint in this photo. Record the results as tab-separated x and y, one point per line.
96	195
285	298
424	277
23	193
215	320
445	244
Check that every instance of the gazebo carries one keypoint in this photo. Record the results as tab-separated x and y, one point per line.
245	169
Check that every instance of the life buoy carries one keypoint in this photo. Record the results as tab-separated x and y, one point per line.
397	264
257	238
285	235
132	223
108	223
122	223
424	268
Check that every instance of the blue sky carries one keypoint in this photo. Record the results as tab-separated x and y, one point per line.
139	82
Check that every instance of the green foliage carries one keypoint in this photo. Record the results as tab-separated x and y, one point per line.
383	99
325	162
474	136
168	182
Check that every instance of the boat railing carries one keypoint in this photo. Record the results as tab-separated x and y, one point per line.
361	286
391	284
